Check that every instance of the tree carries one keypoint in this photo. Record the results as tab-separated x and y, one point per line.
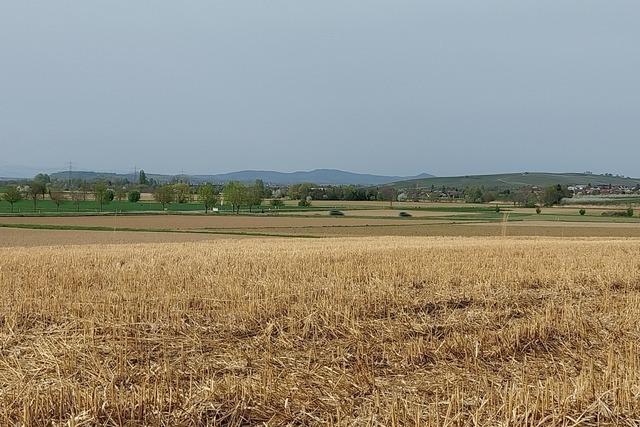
85	188
388	194
43	177
235	193
261	189
57	196
142	178
208	196
100	193
300	191
524	197
35	189
76	198
12	195
582	211
255	194
120	193
182	192
163	195
473	195
134	196
43	181
554	194
488	196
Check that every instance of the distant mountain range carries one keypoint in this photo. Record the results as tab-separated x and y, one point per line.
339	177
317	176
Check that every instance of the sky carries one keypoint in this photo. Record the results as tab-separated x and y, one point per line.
449	87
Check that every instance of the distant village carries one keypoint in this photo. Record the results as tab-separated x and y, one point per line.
603	189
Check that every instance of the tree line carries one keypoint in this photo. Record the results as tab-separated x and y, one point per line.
41	186
525	196
235	193
239	195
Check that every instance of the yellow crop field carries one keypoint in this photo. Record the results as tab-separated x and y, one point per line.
349	331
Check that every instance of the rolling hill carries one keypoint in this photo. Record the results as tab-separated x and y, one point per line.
317	176
516	180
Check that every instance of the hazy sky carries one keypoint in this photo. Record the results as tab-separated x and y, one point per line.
396	87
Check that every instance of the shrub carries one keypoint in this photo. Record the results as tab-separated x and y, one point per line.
404	214
582	212
134	196
538	211
276	203
497	209
109	195
617	213
630	212
304	203
335	212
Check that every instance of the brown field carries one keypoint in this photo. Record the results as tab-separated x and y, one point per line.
366	331
12	237
387	213
445	228
183	222
307	227
381	204
585	224
568	210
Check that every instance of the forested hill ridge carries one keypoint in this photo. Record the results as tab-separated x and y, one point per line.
518	180
317	176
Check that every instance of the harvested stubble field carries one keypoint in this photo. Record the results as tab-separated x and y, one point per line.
371	331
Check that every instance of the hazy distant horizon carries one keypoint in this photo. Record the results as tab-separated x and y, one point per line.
29	172
446	87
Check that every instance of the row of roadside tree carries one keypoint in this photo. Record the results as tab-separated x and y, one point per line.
235	194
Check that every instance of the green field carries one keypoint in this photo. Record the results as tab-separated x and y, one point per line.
47	206
89	206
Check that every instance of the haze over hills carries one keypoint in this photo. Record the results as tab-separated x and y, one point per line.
317	176
515	180
339	177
